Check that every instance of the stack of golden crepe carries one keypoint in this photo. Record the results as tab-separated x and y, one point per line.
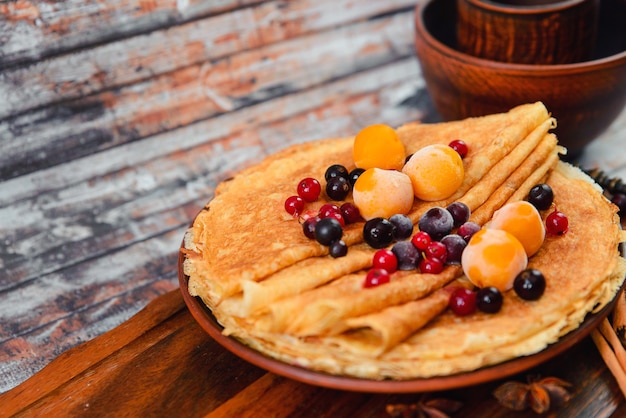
282	294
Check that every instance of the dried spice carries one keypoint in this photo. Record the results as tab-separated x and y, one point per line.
425	408
611	185
538	394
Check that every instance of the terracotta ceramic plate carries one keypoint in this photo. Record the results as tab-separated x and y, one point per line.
208	322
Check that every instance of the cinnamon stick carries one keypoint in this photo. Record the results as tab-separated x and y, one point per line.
619	318
609	334
610	359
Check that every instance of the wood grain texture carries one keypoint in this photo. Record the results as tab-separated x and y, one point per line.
118	119
36	29
144	196
160	362
102	171
179	90
130	60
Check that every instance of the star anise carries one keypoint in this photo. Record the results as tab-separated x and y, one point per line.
538	394
425	408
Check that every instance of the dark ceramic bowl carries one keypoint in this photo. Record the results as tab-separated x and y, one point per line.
584	97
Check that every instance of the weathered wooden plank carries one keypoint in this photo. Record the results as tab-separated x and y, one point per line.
175	351
115	211
174	367
26	354
405	72
36	29
299	399
63	294
20	320
140	196
67	365
130	60
394	104
66	131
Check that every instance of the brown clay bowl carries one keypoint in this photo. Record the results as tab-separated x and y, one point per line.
528	31
584	97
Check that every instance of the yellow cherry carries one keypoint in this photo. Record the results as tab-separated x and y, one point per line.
493	257
378	146
384	193
436	172
522	220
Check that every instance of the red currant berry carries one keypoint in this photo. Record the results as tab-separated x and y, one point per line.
350	212
294	205
309	189
462	301
459	146
421	240
376	277
557	223
385	259
467	230
308	226
431	266
327	209
338	216
309	214
437	250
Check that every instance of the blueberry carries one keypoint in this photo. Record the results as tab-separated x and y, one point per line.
336	170
529	284
436	222
328	230
354	175
337	188
489	300
407	254
460	212
455	244
403	227
338	249
378	232
541	196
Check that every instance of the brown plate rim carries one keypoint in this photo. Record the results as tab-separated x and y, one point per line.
207	322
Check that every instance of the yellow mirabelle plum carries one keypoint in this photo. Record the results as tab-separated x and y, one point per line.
522	220
493	257
384	193
378	146
436	172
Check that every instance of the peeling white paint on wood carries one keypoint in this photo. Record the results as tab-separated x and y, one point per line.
130	60
40	28
191	135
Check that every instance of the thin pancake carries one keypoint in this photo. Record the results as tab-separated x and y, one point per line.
447	345
289	299
229	248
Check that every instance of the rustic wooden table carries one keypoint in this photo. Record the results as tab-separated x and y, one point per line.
117	120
